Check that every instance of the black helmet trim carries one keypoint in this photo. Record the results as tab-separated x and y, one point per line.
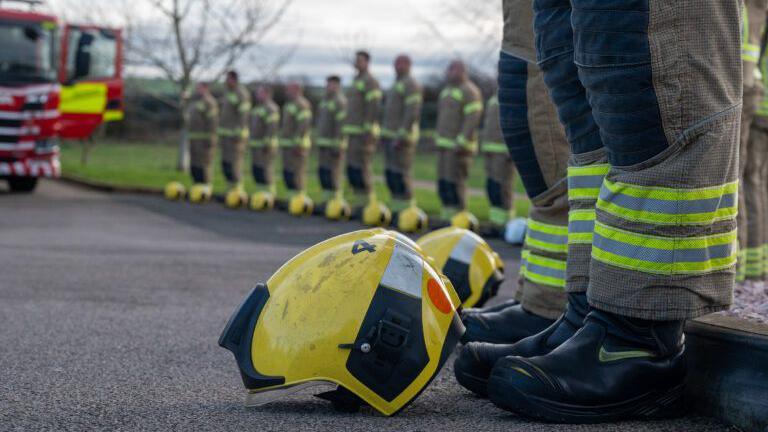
455	333
491	287
238	336
458	273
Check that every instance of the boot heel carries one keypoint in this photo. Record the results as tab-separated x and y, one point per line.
669	405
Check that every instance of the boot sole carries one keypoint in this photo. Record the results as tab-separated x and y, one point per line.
662	404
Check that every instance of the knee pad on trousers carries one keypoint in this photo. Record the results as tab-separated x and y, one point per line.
229	172
259	176
198	174
355	176
493	188
290	179
325	178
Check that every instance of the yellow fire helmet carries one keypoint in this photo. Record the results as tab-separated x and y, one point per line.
376	214
338	209
262	201
236	198
465	220
412	219
174	191
475	270
362	313
300	205
200	193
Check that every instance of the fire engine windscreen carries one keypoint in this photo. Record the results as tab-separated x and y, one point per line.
27	52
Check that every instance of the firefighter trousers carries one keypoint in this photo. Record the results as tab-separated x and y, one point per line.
359	166
330	161
452	173
201	152
629	90
398	160
232	153
262	160
499	185
295	167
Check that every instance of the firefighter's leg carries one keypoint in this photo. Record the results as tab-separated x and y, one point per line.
663	246
499	172
200	160
290	166
750	263
755	197
324	167
446	186
357	163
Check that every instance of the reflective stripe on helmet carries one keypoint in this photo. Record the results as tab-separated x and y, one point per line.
404	272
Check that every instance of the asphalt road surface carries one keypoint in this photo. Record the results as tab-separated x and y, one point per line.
111	306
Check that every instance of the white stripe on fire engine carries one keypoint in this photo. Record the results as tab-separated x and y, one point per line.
20	131
21	145
29	90
28	115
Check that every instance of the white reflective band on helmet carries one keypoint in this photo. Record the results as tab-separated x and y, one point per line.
404	271
465	248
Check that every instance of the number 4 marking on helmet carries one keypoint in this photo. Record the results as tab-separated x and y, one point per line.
362	246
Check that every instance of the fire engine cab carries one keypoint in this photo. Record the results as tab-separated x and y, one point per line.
56	81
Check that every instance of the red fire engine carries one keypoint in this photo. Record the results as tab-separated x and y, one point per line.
56	81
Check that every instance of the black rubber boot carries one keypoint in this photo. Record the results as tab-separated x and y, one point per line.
506	326
615	368
475	361
495	308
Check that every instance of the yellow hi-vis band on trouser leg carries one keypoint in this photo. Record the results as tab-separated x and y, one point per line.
663	255
547	237
542	270
581	226
584	182
755	262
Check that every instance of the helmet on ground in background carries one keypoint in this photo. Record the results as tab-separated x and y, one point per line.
262	201
338	209
236	198
376	214
363	313
174	191
199	193
465	220
412	219
300	205
475	270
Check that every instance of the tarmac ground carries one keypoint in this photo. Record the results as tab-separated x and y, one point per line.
111	307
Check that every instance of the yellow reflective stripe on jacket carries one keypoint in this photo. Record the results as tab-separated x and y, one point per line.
444	142
352	129
304	114
264	142
542	270
547	237
495	147
341	115
581	226
303	141
663	255
669	206
389	133
373	95
413	99
584	182
466	144
233	132
412	135
330	142
473	107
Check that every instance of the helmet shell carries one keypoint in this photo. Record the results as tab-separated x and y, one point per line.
300	205
321	308
174	191
412	219
475	270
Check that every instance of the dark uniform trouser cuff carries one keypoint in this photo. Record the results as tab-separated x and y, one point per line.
656	297
548	302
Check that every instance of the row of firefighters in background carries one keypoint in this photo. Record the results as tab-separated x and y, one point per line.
348	127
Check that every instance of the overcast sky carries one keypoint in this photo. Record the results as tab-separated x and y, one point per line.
320	33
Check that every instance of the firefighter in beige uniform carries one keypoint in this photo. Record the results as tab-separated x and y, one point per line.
233	136
499	169
265	121
362	130
295	144
331	145
399	136
203	122
460	109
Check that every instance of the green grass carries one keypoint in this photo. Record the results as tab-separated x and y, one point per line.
153	165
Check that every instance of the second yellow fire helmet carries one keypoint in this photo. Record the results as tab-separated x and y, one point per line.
475	270
364	312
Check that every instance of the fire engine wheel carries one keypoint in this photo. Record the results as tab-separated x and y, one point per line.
22	184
